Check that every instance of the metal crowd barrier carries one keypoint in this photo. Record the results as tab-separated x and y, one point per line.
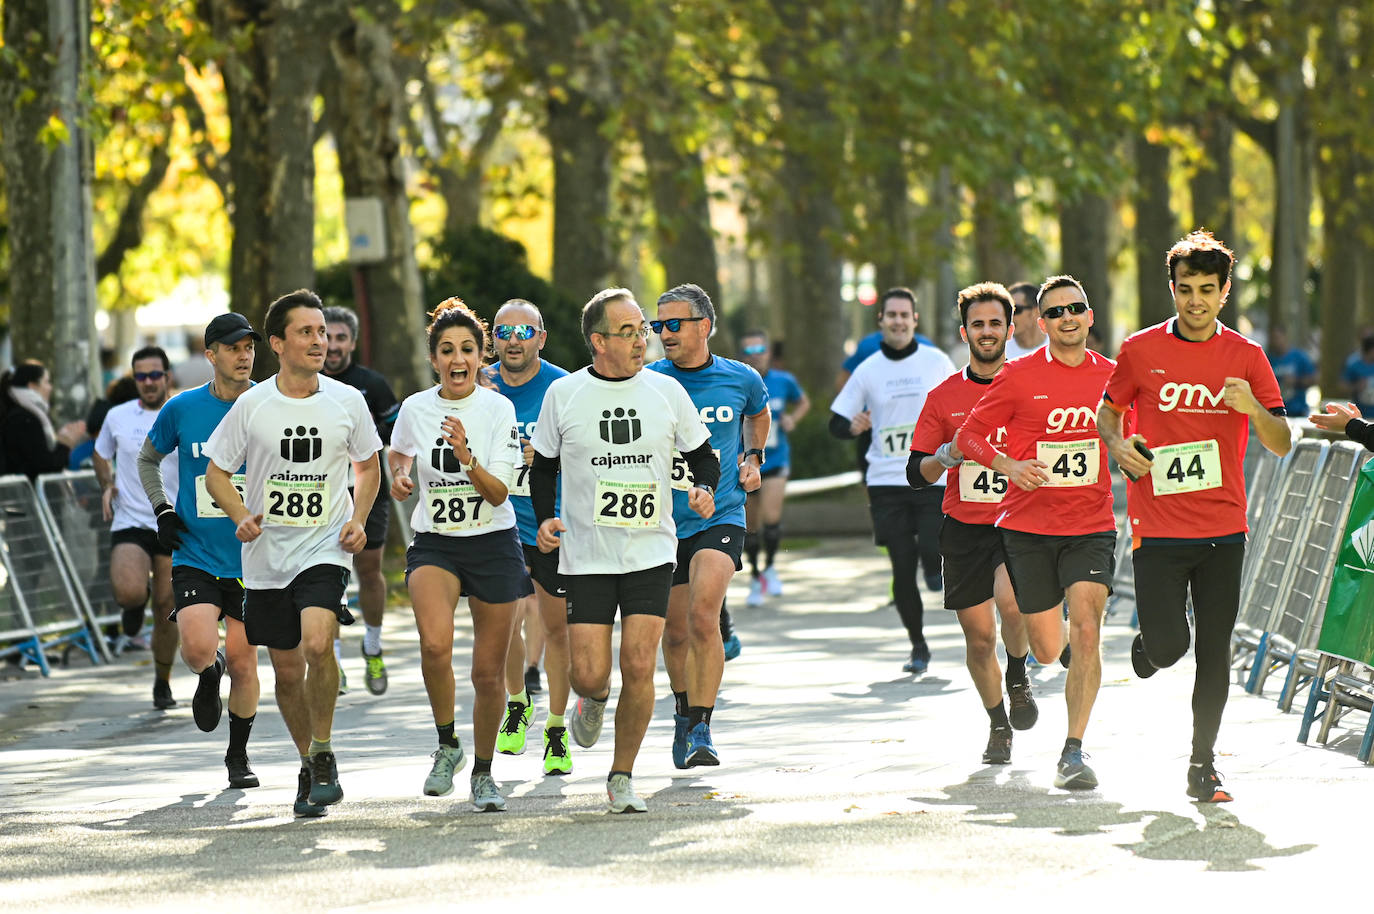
1343	686
71	504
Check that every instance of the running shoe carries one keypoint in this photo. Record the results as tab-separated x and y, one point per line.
1204	784
700	749
374	674
755	597
1073	773
510	739
304	808
447	759
162	695
1065	656
240	775
733	648
679	741
621	793
1024	712
584	721
1140	661
772	584
557	752
343	678
998	751
206	705
935	582
532	684
485	796
920	660
324	780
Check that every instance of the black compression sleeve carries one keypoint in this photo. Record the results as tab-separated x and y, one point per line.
914	476
839	427
1360	431
543	486
704	465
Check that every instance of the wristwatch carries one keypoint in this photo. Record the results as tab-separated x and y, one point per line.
755	450
709	491
469	466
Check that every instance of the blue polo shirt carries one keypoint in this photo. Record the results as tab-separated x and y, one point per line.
783	391
528	398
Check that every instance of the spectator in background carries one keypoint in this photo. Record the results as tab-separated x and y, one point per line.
1295	370
1359	376
30	443
1026	335
195	370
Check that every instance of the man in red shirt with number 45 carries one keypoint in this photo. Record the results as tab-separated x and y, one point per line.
1197	387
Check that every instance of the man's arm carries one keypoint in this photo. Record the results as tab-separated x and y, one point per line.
150	473
1110	428
1272	430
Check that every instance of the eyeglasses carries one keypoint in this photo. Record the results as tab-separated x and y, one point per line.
519	331
149	375
1057	311
756	349
673	323
642	333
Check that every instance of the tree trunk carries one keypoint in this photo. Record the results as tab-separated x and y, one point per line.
1341	255
945	200
1155	231
892	244
1289	263
996	215
682	216
1211	183
364	105
1083	230
583	255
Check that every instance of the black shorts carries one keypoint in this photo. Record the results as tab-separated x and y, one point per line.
971	554
898	510
1041	567
272	618
594	597
379	518
191	586
544	570
727	538
143	539
489	566
768	472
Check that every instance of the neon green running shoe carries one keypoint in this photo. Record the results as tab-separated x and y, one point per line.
557	752
510	739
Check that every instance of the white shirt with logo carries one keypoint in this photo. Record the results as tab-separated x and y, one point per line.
298	453
120	439
615	441
448	501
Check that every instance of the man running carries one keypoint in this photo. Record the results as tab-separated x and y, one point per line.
610	430
298	432
732	401
885	395
1198	388
206	556
524	378
970	543
342	324
134	549
787	403
1057	525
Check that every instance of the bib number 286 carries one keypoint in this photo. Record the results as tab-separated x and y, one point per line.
626	504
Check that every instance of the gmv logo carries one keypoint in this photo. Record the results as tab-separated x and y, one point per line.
443	459
620	426
1066	417
717	414
302	445
1172	395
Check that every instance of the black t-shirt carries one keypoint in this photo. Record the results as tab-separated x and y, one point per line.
381	401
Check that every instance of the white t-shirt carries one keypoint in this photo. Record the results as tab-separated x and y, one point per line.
894	391
297	452
120	439
1015	349
615	441
448	502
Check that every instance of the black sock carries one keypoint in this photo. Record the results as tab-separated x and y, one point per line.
614	773
751	551
772	535
1016	668
1072	743
680	704
239	728
998	716
699	715
446	736
1196	759
480	766
727	625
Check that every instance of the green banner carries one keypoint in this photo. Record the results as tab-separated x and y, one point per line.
1348	628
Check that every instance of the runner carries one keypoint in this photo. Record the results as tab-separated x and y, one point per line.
206	556
885	394
524	378
342	325
611	430
732	401
298	432
1026	335
788	403
465	538
970	543
1198	387
134	548
1058	530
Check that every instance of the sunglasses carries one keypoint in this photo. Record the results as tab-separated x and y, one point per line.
757	349
149	375
673	323
519	331
1057	311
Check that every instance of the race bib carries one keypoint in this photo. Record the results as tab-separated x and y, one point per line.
681	475
1188	467
457	507
295	502
895	440
980	484
205	505
1071	463
520	485
626	504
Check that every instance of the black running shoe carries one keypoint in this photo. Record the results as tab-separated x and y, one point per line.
532	684
920	660
206	705
1065	656
240	775
1204	784
998	751
1140	661
162	695
324	780
1024	712
304	808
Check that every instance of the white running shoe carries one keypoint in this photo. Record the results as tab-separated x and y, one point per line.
584	721
447	759
755	597
771	582
485	796
621	793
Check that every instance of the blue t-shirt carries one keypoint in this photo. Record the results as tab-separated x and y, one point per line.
783	391
528	398
869	345
1288	368
184	425
1357	370
724	392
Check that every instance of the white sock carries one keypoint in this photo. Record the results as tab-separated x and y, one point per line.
372	639
338	650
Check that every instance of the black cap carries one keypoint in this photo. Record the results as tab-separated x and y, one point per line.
229	328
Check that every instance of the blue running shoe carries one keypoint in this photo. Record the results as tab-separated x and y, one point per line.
700	749
732	646
679	741
920	660
1073	773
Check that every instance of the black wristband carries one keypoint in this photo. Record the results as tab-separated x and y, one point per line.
753	451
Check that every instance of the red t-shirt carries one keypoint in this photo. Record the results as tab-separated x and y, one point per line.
1197	487
973	493
1049	411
